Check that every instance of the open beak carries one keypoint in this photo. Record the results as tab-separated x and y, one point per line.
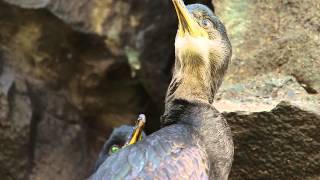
187	24
137	132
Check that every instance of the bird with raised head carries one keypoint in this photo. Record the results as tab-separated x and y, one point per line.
195	141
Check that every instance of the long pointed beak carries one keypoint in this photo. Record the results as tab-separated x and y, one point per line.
137	132
187	24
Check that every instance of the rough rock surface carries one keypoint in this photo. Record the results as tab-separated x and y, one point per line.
130	29
72	70
271	93
15	121
80	85
269	36
48	75
60	142
274	127
262	93
278	144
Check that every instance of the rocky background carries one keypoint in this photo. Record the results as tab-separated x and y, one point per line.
72	70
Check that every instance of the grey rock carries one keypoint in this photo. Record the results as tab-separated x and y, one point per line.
60	147
280	37
274	122
15	120
145	27
29	3
282	143
6	80
75	88
271	93
262	93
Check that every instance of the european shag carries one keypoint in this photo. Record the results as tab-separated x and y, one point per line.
195	141
121	137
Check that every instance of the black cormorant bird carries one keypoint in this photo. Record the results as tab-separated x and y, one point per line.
195	141
121	137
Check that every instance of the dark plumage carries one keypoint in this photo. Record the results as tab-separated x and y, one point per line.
195	141
118	138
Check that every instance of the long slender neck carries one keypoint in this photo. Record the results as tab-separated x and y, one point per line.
191	80
188	102
200	65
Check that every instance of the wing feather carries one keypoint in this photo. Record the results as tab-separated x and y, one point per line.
170	153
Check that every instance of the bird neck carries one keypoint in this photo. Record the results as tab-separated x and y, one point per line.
193	85
192	80
209	130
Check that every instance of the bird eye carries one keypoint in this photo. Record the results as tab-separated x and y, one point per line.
206	23
114	149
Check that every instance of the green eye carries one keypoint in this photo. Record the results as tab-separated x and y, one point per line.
114	149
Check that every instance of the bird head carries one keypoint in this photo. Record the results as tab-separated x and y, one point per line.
121	137
202	47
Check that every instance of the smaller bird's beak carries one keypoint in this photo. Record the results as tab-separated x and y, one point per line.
137	132
187	24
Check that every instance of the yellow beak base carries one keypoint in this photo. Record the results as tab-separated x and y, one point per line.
187	24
